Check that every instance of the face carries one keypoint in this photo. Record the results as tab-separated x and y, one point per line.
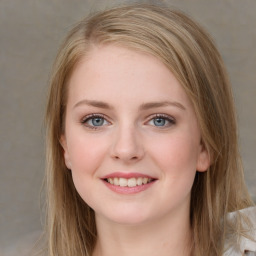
132	140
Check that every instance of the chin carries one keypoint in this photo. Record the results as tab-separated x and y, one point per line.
127	216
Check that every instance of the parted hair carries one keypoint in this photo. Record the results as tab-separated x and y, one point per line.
189	53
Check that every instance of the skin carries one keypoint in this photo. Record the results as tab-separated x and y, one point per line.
131	139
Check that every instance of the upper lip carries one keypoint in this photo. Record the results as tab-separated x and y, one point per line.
127	175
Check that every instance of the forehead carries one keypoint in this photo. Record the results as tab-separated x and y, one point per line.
114	71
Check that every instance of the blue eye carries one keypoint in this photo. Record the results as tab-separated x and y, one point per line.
94	121
159	121
97	121
162	121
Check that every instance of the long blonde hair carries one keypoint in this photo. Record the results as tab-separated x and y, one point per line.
191	56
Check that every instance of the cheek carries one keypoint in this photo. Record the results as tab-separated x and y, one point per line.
176	156
86	153
86	157
178	159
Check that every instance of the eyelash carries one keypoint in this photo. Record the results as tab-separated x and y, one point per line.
87	118
165	117
93	116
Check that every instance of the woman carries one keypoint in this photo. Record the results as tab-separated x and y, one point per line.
142	154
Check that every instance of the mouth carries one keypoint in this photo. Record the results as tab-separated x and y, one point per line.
131	182
128	183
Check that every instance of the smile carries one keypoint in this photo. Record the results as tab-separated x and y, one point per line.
128	183
131	182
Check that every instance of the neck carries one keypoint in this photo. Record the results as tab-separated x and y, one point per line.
162	237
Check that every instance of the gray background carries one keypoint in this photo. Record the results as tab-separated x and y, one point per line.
30	33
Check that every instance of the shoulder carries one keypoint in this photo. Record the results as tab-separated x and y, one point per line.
245	240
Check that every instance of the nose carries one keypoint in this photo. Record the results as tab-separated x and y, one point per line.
127	145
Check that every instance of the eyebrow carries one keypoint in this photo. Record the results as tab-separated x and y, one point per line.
149	105
144	106
93	103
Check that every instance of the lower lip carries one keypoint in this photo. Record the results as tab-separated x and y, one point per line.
128	190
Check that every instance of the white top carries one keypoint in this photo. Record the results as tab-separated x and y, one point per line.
245	246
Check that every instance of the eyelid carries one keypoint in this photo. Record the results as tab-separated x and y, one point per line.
169	118
86	117
94	115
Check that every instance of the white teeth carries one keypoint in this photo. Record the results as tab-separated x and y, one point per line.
123	182
145	181
132	182
116	181
139	181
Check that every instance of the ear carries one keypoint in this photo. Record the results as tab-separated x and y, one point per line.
204	159
63	143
